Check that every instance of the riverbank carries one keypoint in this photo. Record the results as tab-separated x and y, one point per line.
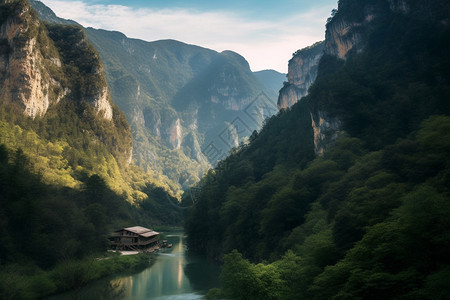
174	275
31	282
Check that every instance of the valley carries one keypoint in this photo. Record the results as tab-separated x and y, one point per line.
328	182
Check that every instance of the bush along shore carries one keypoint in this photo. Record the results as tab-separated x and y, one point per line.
30	282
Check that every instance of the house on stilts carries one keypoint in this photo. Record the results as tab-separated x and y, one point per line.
135	238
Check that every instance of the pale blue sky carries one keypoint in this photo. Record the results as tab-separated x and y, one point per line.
265	32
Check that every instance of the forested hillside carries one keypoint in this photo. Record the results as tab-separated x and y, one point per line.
178	99
345	195
66	180
187	105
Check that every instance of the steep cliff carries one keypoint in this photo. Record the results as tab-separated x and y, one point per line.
25	81
355	29
302	71
174	93
384	74
34	64
52	75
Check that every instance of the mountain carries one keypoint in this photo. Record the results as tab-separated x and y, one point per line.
56	106
48	15
43	76
344	194
187	105
66	180
271	79
178	99
302	72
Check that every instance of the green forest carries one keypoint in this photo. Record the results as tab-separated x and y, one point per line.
51	236
65	178
354	224
368	219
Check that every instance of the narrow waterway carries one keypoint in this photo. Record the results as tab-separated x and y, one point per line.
174	275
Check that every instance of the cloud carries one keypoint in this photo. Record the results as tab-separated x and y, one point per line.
266	44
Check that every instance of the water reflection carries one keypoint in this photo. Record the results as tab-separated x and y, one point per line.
172	276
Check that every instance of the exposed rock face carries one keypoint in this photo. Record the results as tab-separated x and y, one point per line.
345	35
31	67
176	134
191	142
301	74
102	103
345	32
325	129
178	99
23	80
42	65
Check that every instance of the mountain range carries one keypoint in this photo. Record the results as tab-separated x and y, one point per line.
187	105
335	188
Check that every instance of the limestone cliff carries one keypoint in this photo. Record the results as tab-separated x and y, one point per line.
34	71
24	82
346	35
325	130
302	72
52	71
346	31
184	102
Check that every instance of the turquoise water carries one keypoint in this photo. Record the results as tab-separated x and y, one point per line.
174	275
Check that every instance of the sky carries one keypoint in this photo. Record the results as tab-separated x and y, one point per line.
265	32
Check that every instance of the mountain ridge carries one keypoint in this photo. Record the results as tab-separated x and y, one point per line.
69	126
160	86
328	200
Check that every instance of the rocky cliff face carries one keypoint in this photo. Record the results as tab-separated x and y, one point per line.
46	67
346	35
84	74
302	72
186	104
32	69
326	130
24	82
346	31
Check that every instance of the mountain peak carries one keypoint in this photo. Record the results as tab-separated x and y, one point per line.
236	57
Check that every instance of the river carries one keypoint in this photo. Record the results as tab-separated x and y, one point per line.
174	275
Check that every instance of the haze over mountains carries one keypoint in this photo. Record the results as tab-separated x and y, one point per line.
187	105
342	194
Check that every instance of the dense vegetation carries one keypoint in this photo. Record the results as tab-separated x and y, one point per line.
65	179
369	218
355	225
155	83
50	235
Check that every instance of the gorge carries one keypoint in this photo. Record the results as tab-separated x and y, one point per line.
334	188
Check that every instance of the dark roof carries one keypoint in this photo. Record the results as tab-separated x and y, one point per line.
142	231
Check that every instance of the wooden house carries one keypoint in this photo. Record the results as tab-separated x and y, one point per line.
135	238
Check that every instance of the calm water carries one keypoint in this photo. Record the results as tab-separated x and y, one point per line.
172	276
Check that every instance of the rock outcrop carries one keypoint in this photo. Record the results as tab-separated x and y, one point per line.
33	66
346	35
325	129
302	72
182	101
24	82
47	67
